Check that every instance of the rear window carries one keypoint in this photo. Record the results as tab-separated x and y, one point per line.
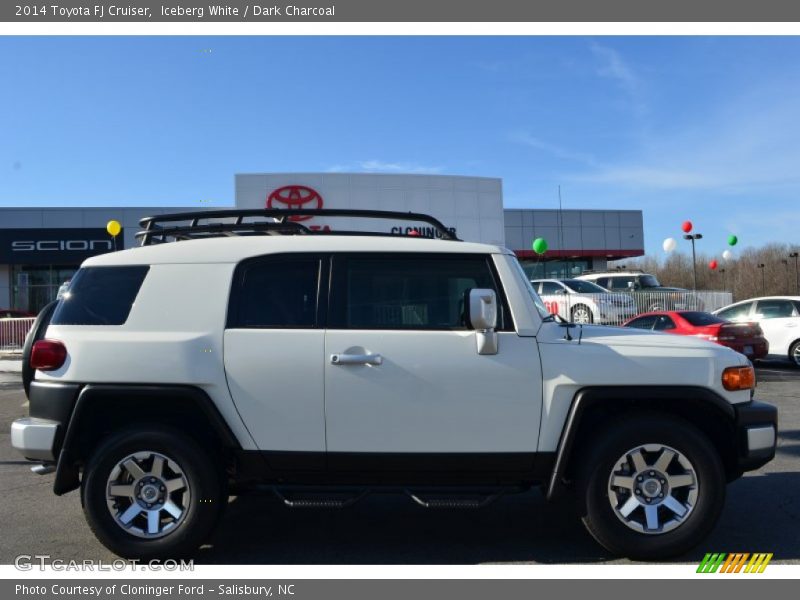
701	319
100	296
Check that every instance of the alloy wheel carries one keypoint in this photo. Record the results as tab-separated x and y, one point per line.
148	494
653	488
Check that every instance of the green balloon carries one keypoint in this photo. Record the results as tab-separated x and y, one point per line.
539	245
732	240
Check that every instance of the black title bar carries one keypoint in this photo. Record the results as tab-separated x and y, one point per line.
143	11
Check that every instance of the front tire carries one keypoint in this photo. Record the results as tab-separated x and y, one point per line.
582	314
655	488
794	354
152	493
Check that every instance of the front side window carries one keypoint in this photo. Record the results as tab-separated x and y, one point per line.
408	291
276	293
649	281
663	323
100	296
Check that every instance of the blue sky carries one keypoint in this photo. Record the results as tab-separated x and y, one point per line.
705	128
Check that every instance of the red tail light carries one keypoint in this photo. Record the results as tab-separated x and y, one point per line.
48	355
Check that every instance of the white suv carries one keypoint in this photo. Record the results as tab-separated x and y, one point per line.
324	366
584	302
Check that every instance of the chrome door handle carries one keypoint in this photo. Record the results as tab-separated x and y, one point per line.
356	359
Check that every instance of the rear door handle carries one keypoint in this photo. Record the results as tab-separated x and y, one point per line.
356	359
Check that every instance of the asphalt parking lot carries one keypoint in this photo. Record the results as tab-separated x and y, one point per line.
762	514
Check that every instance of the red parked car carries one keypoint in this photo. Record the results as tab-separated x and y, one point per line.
746	338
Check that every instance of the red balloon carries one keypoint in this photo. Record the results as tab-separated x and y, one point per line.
687	226
713	265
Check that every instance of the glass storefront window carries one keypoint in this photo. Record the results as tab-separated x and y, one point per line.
33	287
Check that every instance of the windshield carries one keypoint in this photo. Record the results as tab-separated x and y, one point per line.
649	281
536	300
583	287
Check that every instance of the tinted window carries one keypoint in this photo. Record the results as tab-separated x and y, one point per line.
774	309
583	287
643	322
701	319
276	293
100	296
603	282
649	281
739	311
621	283
551	287
409	291
664	323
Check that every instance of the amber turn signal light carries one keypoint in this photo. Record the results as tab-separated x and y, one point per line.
738	378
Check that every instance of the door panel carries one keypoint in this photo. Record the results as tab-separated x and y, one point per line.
276	380
274	350
432	393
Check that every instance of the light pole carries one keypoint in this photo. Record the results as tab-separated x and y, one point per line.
724	280
786	266
692	237
794	255
763	279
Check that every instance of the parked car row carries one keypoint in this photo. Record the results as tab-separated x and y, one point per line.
759	328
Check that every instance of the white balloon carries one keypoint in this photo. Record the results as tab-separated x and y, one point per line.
669	244
727	255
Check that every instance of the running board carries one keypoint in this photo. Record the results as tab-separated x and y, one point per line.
455	501
319	500
430	497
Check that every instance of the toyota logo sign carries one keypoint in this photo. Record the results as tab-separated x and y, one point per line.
295	197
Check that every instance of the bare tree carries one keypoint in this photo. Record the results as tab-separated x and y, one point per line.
741	275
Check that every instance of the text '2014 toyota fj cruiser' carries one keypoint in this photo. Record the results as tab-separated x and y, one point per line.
239	350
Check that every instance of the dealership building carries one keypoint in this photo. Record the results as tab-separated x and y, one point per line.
40	248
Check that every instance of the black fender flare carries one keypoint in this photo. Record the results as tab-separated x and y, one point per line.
588	397
67	474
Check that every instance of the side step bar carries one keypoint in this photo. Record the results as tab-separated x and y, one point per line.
343	497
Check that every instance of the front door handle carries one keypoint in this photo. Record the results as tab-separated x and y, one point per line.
356	359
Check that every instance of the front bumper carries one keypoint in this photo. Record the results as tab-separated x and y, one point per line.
757	434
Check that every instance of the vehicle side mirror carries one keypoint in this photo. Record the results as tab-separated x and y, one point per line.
481	315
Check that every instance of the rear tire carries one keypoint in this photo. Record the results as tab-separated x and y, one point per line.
655	487
161	465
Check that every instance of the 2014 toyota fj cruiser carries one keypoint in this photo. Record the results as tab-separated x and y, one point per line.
255	353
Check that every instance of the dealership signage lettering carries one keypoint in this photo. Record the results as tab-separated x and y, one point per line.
299	197
52	246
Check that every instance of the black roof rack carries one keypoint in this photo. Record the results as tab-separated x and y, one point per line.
269	221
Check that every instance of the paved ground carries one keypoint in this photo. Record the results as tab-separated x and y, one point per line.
762	514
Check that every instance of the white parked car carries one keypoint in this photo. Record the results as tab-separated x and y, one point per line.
779	317
227	356
584	302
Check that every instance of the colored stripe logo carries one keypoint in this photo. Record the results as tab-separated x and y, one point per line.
737	562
